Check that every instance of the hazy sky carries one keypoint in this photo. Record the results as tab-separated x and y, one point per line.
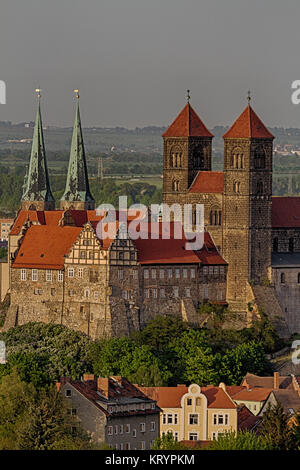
134	59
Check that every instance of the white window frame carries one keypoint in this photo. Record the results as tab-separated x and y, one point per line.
48	275
80	272
70	272
23	274
142	427
152	428
146	273
110	430
60	276
34	275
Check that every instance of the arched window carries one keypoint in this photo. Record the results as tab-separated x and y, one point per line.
282	278
259	157
199	157
237	158
176	157
291	245
215	216
260	187
86	293
175	185
236	187
275	244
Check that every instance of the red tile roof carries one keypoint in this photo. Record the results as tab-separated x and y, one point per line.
44	246
285	211
246	419
170	397
208	182
247	125
187	124
253	394
267	382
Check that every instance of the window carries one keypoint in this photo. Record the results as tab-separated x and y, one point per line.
205	270
162	293
71	272
205	292
96	295
143	445
52	291
146	274
170	419
260	187
236	187
177	273
192	273
282	278
132	256
60	277
110	431
142	427
116	429
134	433
164	418
68	392
259	157
48	275
175	185
161	274
169	273
23	274
175	418
146	293
175	291
121	446
80	272
86	293
120	274
227	419
215	216
71	292
275	244
199	157
135	274
34	275
82	254
237	158
152	427
187	292
153	273
127	428
193	436
127	446
291	245
189	402
184	272
120	256
154	293
193	419
298	278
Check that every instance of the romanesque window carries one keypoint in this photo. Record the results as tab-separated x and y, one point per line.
237	158
175	185
176	158
215	216
86	293
259	157
199	157
275	244
260	187
291	245
282	278
236	187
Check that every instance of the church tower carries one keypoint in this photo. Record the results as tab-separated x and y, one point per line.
247	205
77	191
187	150
37	193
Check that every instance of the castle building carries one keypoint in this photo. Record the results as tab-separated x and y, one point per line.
64	270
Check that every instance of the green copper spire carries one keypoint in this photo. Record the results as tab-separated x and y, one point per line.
37	193
77	192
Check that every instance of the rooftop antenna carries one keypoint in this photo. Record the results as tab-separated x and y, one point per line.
249	97
76	91
38	93
188	96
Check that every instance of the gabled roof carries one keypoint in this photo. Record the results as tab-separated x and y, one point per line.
267	382
44	246
285	211
248	125
187	124
289	399
170	397
208	182
254	394
246	419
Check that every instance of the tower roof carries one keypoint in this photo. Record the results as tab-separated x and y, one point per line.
36	184
77	184
248	125
187	124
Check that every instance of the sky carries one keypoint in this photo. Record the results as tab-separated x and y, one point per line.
133	60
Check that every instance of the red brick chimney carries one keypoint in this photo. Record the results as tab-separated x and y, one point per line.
276	381
103	386
58	386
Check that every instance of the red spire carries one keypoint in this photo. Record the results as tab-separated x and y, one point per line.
248	125
187	124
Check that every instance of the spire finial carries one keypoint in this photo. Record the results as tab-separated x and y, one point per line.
76	91
38	93
249	97
188	96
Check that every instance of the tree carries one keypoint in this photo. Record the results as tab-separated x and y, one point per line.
167	442
242	440
295	432
275	428
36	419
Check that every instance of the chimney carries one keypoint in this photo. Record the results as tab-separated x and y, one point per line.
276	381
103	386
58	386
88	377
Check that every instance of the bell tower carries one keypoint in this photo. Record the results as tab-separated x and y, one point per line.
247	206
187	150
